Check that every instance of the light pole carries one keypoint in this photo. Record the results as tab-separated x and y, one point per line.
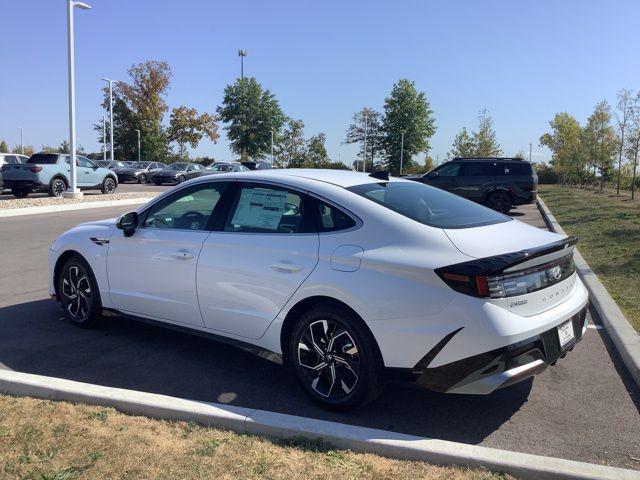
530	145
104	138
242	54
138	145
21	142
272	147
366	127
401	150
111	82
72	191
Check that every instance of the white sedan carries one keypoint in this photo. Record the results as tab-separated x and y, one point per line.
350	278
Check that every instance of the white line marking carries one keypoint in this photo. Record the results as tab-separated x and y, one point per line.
595	327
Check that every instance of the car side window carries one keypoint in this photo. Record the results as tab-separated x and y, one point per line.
84	162
333	219
263	208
449	170
188	209
474	169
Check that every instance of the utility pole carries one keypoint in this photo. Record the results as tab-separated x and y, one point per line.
364	159
72	191
401	150
104	138
21	142
530	146
242	54
272	147
138	145
110	114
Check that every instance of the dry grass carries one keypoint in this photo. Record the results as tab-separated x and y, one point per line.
608	231
46	440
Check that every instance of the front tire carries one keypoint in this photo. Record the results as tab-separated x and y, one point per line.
335	358
181	178
142	178
79	294
57	187
500	201
108	186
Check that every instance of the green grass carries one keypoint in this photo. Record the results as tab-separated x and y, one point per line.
608	231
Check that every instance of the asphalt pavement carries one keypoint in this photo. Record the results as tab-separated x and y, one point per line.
585	408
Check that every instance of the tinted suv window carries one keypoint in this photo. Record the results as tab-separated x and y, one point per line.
518	168
429	205
474	169
44	158
449	170
265	208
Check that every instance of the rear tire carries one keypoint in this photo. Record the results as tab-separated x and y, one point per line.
108	186
57	187
500	201
79	294
20	192
335	358
157	182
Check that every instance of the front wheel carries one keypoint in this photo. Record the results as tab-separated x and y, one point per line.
181	178
335	358
108	186
142	178
79	294
500	201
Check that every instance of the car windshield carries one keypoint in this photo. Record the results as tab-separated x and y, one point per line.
429	205
178	166
44	158
140	164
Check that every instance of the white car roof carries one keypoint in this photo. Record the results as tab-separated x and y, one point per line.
341	178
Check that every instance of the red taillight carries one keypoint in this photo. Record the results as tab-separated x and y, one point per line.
36	169
475	285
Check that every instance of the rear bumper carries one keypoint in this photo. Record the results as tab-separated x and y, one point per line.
482	374
32	185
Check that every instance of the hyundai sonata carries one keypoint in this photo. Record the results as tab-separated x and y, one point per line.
349	278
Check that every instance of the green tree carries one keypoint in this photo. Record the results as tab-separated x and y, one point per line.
463	145
3	146
317	155
291	149
633	146
623	118
565	143
367	121
250	115
25	150
187	127
600	141
406	111
486	144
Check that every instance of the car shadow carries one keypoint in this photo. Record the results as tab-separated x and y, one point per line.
36	338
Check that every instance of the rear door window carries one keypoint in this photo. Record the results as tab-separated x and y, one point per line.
519	168
333	219
44	158
474	169
449	170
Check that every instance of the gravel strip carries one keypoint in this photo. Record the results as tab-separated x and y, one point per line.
11	203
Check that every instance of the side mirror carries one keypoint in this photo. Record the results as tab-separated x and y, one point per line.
128	223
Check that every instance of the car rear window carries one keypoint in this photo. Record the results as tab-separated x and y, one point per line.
519	168
429	205
44	158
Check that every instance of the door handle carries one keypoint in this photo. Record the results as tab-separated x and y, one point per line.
183	255
286	267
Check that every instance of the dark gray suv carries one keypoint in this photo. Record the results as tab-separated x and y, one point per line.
498	183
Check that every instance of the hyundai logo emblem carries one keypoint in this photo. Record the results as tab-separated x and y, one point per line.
556	272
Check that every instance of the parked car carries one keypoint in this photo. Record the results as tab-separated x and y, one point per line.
222	167
258	165
139	172
498	183
178	173
114	165
10	159
50	172
348	277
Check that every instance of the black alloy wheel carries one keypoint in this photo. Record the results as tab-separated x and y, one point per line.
79	293
57	187
181	178
108	186
142	178
500	201
335	359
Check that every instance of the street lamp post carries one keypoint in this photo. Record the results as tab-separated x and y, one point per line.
530	147
72	191
111	82
138	131
21	142
401	150
364	159
104	138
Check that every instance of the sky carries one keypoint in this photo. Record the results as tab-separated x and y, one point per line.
523	61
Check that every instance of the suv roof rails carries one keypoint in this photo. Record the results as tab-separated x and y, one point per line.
492	158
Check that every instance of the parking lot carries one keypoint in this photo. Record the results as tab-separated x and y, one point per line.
585	408
122	188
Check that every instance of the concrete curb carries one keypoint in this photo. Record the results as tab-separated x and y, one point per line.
15	212
260	422
624	336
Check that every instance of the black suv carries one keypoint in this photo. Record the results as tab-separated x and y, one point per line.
498	183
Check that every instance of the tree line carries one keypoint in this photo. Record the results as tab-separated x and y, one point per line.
605	149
